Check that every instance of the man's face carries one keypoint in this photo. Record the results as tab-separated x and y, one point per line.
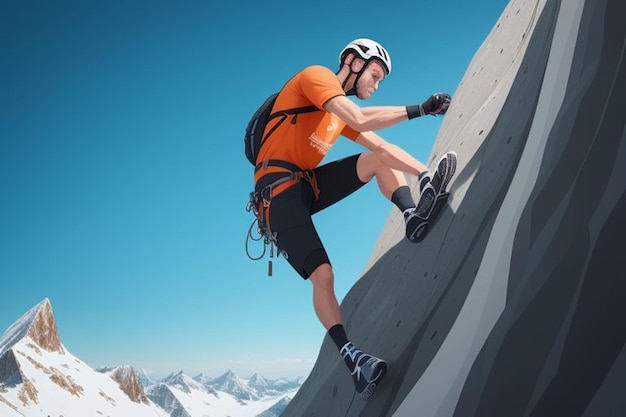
368	82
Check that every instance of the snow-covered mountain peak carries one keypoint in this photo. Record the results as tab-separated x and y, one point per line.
232	384
38	377
226	377
38	325
258	382
129	383
183	382
202	378
226	395
146	378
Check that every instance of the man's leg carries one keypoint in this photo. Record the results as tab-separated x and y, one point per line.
392	183
389	180
337	180
366	370
324	299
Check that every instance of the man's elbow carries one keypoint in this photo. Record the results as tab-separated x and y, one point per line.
359	122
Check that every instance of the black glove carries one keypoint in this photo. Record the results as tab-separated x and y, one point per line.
438	103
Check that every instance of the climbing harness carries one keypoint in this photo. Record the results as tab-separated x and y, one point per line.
259	205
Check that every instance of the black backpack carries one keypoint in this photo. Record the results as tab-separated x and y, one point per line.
254	138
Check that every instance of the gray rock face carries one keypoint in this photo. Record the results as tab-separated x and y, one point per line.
514	303
163	396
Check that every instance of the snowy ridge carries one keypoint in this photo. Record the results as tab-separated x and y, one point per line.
19	328
130	383
227	395
183	382
233	385
277	409
50	383
40	377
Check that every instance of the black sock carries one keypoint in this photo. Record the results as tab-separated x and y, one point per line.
402	198
338	334
347	350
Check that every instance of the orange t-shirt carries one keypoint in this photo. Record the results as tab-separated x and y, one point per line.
305	142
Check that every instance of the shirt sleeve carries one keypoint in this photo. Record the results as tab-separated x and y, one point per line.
350	133
319	84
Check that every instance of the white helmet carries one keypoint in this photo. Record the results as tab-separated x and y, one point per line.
367	49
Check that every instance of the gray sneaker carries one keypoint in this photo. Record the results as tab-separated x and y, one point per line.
368	371
433	196
446	166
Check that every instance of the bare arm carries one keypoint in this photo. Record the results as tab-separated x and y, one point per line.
368	118
390	154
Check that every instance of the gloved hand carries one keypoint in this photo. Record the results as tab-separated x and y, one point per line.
438	103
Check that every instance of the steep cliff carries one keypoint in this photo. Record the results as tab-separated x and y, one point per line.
513	305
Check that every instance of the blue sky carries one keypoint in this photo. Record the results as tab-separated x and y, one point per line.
123	180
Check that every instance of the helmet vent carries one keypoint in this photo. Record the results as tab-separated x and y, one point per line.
363	48
381	51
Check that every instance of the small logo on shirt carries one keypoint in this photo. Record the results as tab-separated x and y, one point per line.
332	127
323	145
319	144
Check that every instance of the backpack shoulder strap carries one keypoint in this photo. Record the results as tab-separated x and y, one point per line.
284	114
295	110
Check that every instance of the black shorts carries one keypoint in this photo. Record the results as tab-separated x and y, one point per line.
291	210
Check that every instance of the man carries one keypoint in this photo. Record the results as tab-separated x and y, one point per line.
295	187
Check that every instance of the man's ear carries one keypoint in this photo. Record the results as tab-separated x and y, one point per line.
356	64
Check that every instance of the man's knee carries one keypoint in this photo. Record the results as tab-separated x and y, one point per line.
322	276
367	165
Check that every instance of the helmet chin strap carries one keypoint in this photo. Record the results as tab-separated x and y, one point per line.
352	91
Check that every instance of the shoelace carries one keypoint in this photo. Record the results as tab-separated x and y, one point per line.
355	354
350	350
357	367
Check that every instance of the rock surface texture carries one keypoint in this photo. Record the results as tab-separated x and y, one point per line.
515	303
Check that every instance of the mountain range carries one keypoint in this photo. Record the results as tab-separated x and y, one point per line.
40	377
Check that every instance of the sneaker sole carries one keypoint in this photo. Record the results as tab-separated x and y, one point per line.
369	390
423	223
448	172
420	231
